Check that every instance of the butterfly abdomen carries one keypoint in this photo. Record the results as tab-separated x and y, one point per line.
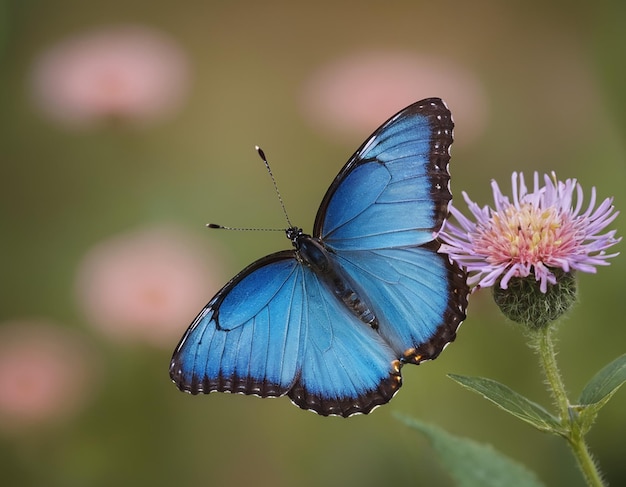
314	255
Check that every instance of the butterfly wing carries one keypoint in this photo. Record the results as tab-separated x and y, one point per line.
380	218
249	338
275	329
394	190
347	367
418	296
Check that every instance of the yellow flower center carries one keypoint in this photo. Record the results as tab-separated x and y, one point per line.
526	235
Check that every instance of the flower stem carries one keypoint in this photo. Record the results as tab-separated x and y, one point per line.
542	341
585	462
547	356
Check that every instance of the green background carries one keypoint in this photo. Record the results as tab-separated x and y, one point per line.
62	192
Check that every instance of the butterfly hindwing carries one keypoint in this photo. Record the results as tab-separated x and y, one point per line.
418	296
347	367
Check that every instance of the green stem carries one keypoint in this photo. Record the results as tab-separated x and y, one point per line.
547	356
585	462
542	340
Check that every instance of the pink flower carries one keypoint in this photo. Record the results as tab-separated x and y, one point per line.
353	95
146	285
46	373
131	73
538	232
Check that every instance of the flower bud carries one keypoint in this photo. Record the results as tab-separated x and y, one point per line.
523	301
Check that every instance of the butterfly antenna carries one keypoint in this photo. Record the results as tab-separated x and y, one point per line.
269	170
280	199
224	227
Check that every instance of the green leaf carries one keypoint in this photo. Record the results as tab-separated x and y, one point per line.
473	464
605	383
512	402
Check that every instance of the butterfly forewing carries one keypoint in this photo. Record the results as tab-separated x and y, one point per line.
394	191
251	348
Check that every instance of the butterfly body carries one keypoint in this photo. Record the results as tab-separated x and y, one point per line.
312	253
331	322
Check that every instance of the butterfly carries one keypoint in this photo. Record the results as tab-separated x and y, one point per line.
331	322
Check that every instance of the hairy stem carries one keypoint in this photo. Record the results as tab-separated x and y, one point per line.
543	343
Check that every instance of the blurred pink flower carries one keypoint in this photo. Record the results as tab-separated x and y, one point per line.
131	73
147	285
352	96
46	373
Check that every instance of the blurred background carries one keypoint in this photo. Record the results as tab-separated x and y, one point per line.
128	125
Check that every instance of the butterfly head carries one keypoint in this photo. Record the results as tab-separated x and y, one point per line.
294	234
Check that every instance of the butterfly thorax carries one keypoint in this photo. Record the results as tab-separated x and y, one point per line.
312	253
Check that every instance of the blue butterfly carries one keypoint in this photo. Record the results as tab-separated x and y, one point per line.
331	322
